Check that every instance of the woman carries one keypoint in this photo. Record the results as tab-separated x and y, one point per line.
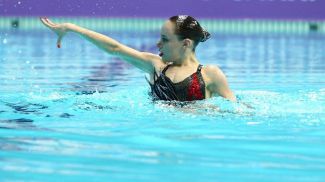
175	74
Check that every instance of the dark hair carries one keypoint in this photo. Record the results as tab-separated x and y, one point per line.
187	27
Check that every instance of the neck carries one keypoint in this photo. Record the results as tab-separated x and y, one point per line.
186	60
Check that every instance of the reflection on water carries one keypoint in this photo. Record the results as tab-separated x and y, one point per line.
21	123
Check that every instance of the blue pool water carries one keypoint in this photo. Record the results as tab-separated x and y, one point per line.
78	114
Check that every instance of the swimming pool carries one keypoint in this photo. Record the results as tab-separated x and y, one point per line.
76	113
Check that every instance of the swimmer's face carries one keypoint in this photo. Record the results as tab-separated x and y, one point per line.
169	45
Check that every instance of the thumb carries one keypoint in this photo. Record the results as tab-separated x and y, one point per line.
58	43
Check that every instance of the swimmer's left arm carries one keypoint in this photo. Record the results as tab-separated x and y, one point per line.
218	83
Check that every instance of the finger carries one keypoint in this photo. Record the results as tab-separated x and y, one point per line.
58	43
46	23
49	22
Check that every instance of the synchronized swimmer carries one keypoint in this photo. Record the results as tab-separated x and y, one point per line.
176	73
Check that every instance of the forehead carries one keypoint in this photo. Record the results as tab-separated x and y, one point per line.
168	28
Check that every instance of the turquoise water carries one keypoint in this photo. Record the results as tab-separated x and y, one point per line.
77	114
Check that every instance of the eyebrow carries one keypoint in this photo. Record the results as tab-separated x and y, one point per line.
163	35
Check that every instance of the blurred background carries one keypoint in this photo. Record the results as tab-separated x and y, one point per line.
295	15
266	9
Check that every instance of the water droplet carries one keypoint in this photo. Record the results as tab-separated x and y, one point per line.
19	2
4	41
27	62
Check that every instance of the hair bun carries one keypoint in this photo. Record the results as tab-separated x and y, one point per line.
206	35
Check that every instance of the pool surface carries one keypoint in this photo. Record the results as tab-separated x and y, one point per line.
78	114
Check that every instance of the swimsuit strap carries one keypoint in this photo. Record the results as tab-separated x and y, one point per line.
199	68
165	69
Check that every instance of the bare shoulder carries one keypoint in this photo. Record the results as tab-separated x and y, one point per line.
155	60
217	82
214	73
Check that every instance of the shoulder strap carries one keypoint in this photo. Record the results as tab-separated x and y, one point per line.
165	69
199	68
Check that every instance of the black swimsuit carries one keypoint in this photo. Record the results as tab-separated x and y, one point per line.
191	88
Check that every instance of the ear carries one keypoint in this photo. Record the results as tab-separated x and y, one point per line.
187	42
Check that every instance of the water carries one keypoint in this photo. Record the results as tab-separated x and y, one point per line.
76	113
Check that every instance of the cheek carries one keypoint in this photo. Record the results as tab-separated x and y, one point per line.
175	49
171	47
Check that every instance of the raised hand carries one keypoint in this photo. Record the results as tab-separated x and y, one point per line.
60	29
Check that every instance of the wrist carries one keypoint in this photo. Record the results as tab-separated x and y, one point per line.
69	27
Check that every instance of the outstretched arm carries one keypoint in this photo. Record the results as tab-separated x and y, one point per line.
142	60
218	84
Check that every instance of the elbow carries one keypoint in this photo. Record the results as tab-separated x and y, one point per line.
112	49
230	96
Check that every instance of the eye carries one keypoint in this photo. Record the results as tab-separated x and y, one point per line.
164	39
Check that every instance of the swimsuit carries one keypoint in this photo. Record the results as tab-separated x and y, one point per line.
191	88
